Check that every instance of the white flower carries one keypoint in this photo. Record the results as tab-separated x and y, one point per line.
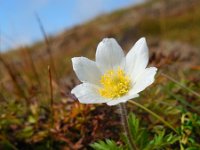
113	78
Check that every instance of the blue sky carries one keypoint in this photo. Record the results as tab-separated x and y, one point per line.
18	25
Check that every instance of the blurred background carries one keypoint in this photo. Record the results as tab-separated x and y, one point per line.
18	17
38	38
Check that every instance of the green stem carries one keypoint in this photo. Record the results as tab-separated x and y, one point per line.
153	114
125	123
181	85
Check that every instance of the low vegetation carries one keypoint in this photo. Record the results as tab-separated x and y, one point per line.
38	112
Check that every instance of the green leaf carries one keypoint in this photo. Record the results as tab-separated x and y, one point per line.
134	125
139	134
162	140
7	145
26	132
106	145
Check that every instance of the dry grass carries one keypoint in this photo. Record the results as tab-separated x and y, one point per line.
28	87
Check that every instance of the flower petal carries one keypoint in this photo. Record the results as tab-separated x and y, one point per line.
145	79
109	55
86	70
122	99
88	94
137	58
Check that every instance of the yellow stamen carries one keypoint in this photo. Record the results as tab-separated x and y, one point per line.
115	83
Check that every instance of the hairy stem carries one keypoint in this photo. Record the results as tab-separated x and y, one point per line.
124	118
153	114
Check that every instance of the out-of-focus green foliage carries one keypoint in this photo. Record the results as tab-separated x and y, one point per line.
157	139
29	121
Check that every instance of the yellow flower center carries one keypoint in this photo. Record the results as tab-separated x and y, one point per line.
115	83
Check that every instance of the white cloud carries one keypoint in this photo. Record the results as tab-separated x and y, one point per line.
8	42
37	4
22	40
87	9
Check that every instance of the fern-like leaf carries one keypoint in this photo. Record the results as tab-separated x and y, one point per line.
106	145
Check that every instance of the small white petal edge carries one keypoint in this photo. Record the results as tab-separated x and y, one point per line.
137	58
121	99
88	94
109	55
86	70
145	79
